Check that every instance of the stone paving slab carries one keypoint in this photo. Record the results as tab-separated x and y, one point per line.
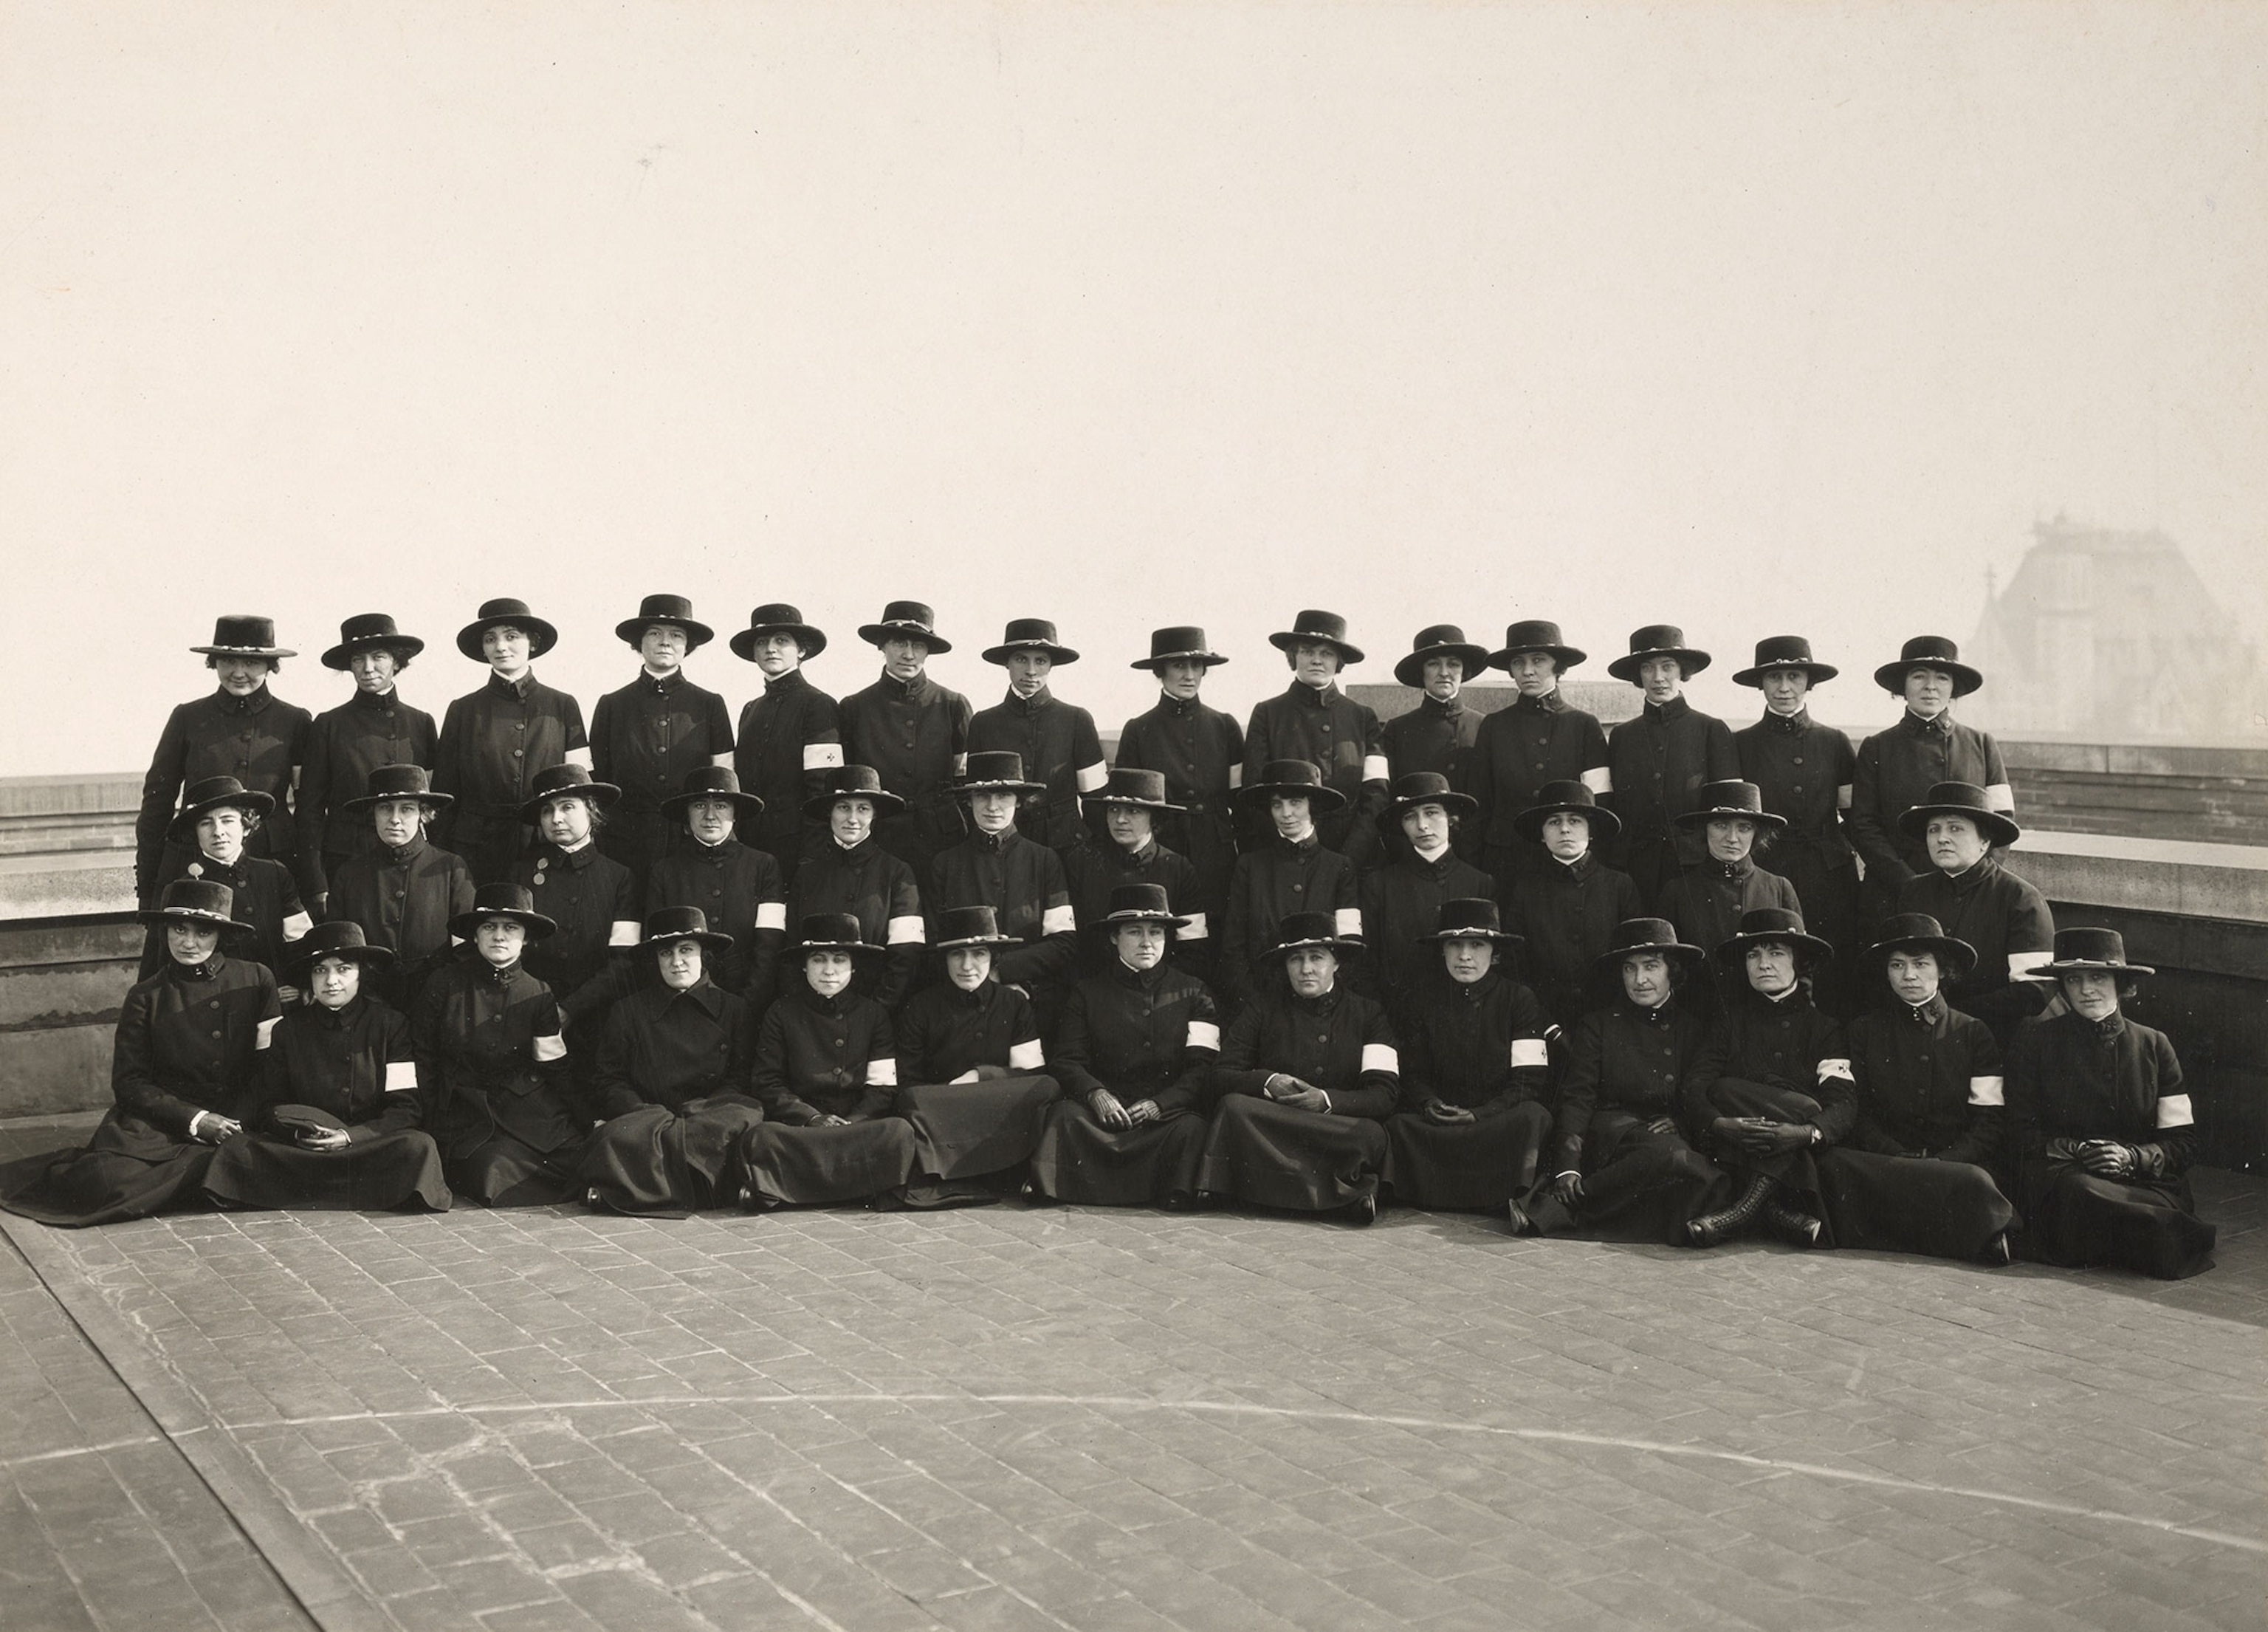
1008	1418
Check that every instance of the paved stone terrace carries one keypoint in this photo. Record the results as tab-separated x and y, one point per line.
1009	1418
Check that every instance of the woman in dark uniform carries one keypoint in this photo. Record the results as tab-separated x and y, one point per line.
1633	1102
404	891
1918	1171
1199	750
492	1062
912	732
346	1058
1804	770
212	836
1314	720
1056	740
973	1079
2005	921
671	1079
1537	741
650	735
1476	1074
1567	912
737	888
1784	1094
847	871
1134	1052
1021	880
1305	1079
1290	871
1438	734
185	1075
1122	817
2104	1128
242	730
372	729
1658	761
791	736
1707	901
496	741
589	900
827	1075
1402	901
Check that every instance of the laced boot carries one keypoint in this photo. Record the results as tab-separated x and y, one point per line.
1791	1224
1710	1227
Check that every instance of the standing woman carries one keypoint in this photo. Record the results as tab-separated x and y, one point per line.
496	741
790	736
1056	740
1659	760
1290	871
2104	1128
185	1075
1123	819
649	736
405	890
1199	751
1568	909
1805	770
2003	918
1314	720
588	898
1438	734
1708	900
847	872
336	1125
1537	741
373	728
242	730
1402	900
1020	879
912	732
737	888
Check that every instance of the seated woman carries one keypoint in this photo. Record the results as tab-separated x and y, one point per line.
1134	1050
1915	1175
671	1080
1290	871
185	1075
336	1122
2002	917
1633	1101
970	1061
847	870
1020	879
1305	1078
209	838
492	1063
1402	899
1569	904
1707	901
404	891
736	888
1784	1094
1475	1074
826	1073
1122	817
2104	1130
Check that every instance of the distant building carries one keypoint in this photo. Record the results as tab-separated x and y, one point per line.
2110	637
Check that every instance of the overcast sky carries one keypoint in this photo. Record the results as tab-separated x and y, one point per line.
1753	318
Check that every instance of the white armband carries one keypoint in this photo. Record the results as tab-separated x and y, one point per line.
1194	930
579	757
548	1049
401	1076
772	915
264	1034
723	761
1058	920
905	932
1235	777
1985	1090
1382	1057
1374	768
823	756
1202	1034
1600	780
1347	921
2021	965
2174	1112
626	931
1028	1056
299	924
968	1075
881	1074
2001	797
1530	1051
1835	1068
1093	776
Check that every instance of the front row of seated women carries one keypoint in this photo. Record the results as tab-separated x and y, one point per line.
1706	1096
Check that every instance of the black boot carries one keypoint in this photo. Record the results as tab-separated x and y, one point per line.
1710	1227
1792	1224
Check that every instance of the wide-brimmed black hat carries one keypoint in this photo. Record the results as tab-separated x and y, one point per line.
1929	651
997	769
1785	651
1658	640
567	778
195	901
1648	935
904	620
1554	797
682	923
775	618
1295	930
1029	634
515	902
214	793
1126	784
1141	904
853	782
386	782
1536	634
1731	798
1175	643
2095	951
365	630
1440	640
1413	788
1471	917
340	938
970	926
1293	776
1311	626
666	610
1762	924
1911	931
1964	799
541	637
239	635
829	931
711	782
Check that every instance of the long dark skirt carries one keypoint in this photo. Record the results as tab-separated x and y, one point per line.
127	1169
1480	1164
1911	1204
1081	1161
502	1171
1796	1170
393	1170
2081	1220
962	1129
667	1163
1637	1185
806	1166
1272	1154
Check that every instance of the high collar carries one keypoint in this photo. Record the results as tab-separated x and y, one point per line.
1314	696
1478	990
831	1006
1662	714
1016	703
1297	846
993	843
858	852
203	866
978	998
518	689
1925	1013
407	852
256	702
1428	703
378	703
1734	872
1136	861
1181	707
1550	703
1965	883
703	995
205	970
1139	979
1659	1015
1788	725
1322	1005
1436	868
1914	724
499	976
549	854
1582	866
787	682
914	690
2106	1030
1794	998
340	1018
660	685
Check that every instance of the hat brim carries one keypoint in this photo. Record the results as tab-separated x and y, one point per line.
1819	673
1390	820
1337	945
994	784
244	651
369	956
1504	938
804	948
538	927
1998	829
433	801
1160	659
1285	640
885	803
1529	822
542	636
1677	951
986	941
187	915
338	657
184	824
1096	804
710	940
1001	654
697	634
1566	657
1320	800
2090	966
874	634
1701	818
1626	668
1955	959
1111	923
1732	948
1892	677
743	642
676	805
599	795
1411	671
